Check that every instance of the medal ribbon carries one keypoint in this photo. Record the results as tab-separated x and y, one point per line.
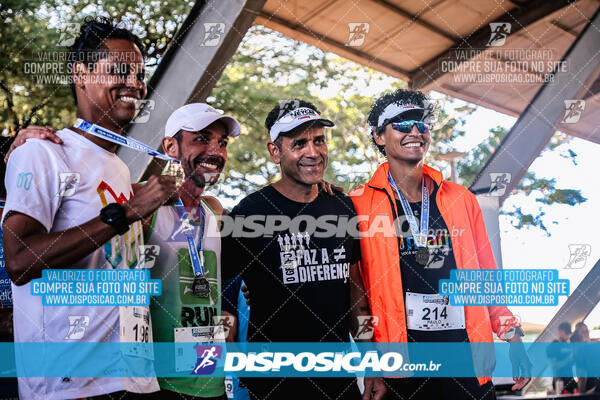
196	255
420	236
131	143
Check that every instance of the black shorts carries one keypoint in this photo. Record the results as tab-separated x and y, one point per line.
438	388
308	388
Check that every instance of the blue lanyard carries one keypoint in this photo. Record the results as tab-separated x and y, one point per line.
196	255
420	236
131	143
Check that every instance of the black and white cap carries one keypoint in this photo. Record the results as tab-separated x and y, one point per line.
426	113
294	118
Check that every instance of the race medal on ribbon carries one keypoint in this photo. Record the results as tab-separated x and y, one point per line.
200	287
419	233
422	255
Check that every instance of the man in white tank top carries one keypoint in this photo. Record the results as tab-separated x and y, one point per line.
197	135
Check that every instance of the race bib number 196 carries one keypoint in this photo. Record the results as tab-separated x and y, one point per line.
136	328
432	312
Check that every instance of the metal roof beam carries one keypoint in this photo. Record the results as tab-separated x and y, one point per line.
519	18
417	20
299	31
542	117
188	71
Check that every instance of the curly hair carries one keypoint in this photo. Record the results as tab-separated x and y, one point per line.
402	96
89	47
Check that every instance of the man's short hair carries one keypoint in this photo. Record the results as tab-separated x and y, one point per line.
399	96
279	110
565	327
89	46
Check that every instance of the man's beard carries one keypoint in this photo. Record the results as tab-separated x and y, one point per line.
200	179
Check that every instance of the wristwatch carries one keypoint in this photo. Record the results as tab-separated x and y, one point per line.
114	215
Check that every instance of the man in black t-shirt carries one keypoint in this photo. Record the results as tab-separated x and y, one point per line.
302	276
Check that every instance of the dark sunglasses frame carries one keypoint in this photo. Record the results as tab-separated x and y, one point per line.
406	126
85	36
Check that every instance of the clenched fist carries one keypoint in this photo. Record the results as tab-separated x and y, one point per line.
158	191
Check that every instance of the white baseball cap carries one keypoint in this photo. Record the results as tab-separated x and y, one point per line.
294	118
197	116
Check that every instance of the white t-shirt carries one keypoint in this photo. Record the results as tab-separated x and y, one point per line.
63	186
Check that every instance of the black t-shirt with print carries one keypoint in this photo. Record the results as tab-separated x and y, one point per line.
424	279
308	299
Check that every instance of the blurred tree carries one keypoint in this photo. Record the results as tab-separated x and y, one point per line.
543	190
24	34
266	68
32	88
269	67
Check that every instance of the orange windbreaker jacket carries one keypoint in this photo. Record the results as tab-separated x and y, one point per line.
380	266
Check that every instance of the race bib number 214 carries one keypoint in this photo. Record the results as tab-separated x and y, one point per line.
432	312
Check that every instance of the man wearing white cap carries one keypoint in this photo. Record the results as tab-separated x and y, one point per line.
301	280
197	135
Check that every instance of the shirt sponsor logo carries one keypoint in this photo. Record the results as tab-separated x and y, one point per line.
300	263
121	247
24	180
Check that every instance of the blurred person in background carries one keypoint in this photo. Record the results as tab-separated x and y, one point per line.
585	361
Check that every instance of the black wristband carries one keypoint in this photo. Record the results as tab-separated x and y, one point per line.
114	215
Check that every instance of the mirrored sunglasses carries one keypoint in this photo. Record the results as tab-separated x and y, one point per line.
406	126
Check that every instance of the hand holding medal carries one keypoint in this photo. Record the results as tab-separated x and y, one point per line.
200	286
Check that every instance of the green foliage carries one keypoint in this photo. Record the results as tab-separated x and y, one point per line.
24	35
266	68
445	130
30	31
269	67
470	166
